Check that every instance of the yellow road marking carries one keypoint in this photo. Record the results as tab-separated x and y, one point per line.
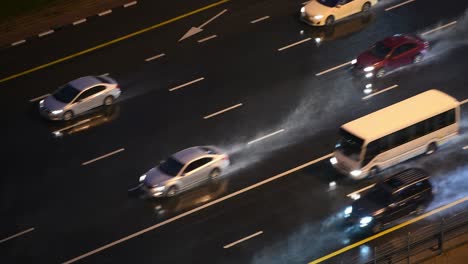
416	219
112	41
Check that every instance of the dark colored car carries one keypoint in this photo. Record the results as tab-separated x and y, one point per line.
397	196
388	54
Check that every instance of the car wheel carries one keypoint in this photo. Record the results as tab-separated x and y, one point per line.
330	20
68	116
366	7
172	191
380	73
417	58
214	174
377	227
431	148
374	171
109	100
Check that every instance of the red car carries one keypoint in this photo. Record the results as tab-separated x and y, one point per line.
388	54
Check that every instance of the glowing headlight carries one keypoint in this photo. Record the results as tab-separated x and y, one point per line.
333	161
355	196
365	221
368	69
356	173
318	40
56	112
41	103
348	211
354	61
318	16
369	74
303	10
142	177
160	188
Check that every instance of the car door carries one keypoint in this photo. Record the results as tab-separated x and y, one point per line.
97	95
401	55
82	103
195	172
402	204
344	8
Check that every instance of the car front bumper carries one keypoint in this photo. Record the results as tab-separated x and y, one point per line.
309	20
48	114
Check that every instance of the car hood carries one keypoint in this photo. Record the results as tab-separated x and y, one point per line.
155	177
367	59
365	207
53	104
314	8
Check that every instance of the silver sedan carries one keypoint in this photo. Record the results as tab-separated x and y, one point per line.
184	170
79	96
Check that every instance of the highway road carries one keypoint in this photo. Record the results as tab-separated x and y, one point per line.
71	210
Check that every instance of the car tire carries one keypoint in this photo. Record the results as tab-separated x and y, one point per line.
108	100
68	115
365	7
377	227
418	58
431	148
329	21
214	174
380	73
374	171
172	191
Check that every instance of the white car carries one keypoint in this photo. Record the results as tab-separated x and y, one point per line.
326	12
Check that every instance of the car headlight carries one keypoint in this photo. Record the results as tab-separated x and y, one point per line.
369	74
355	173
365	221
303	9
56	112
354	61
142	177
41	103
318	16
348	211
333	161
368	69
160	188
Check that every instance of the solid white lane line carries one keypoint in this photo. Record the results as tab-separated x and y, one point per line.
185	84
262	138
465	147
332	69
243	239
170	220
398	5
207	38
105	12
360	190
102	157
17	235
79	21
46	33
18	42
213	18
379	92
259	19
439	28
38	98
130	4
222	111
155	57
294	44
464	101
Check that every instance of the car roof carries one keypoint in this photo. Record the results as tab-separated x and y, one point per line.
396	40
405	178
85	82
189	154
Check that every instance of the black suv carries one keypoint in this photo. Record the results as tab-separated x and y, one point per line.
401	194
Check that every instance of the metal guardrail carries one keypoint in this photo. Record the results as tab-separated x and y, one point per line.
424	243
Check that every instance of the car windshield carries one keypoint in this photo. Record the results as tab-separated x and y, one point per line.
66	93
171	166
329	3
379	50
349	145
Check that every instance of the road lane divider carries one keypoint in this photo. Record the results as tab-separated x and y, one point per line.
294	44
18	42
79	22
105	12
397	227
266	136
219	200
130	4
353	194
207	38
439	28
398	5
136	33
17	234
102	157
186	84
48	32
379	92
155	57
38	98
333	68
223	111
242	240
259	19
